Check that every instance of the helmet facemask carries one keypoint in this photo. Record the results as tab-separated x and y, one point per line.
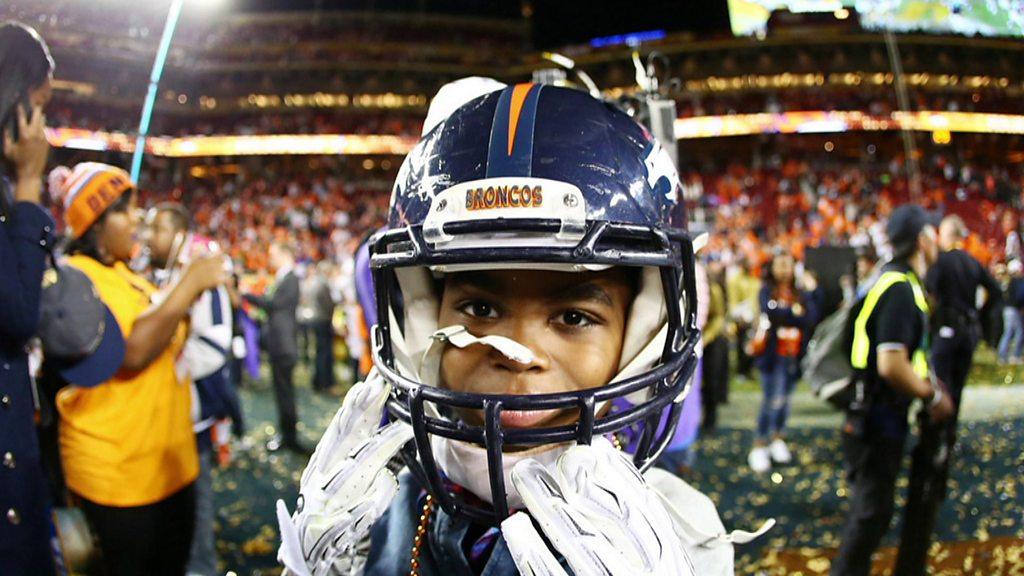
656	368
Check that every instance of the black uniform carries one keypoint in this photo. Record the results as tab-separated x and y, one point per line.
953	281
873	438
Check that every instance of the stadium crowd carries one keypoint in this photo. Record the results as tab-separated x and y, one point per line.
326	207
796	204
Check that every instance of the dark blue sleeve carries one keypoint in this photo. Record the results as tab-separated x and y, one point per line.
812	308
217	397
24	243
763	297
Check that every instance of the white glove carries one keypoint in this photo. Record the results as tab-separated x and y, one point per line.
598	512
346	486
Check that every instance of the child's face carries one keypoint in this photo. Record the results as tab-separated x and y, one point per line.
573	322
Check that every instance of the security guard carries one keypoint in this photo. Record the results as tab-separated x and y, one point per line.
889	352
26	233
953	282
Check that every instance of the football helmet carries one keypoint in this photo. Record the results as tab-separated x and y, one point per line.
538	177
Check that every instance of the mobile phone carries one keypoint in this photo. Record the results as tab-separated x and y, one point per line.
12	119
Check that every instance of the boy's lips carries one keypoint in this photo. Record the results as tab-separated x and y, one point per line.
525	418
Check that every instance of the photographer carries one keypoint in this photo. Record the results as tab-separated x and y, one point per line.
890	352
953	282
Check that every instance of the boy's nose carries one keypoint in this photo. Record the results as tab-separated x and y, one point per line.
526	335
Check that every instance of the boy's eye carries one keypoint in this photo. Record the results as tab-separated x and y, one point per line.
575	318
479	310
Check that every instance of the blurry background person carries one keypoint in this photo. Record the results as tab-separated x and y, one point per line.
786	315
953	281
1012	249
321	306
716	345
281	305
360	310
742	288
172	246
857	284
867	269
890	351
26	234
127	447
304	315
1012	340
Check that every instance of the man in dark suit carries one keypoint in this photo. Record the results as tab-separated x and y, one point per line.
322	312
281	304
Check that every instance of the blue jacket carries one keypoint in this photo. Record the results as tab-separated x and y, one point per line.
26	234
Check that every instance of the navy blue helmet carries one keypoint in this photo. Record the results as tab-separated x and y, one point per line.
545	177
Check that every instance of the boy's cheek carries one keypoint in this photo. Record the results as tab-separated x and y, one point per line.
590	366
457	365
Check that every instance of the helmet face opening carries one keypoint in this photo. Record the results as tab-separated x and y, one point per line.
649	422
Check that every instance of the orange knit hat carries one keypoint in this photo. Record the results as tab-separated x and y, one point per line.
88	190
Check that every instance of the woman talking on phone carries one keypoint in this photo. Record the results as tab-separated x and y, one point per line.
26	233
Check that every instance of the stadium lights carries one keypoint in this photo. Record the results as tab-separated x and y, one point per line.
940	124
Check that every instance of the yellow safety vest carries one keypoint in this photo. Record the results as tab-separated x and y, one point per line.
862	343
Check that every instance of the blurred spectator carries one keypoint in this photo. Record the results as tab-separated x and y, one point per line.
1011	227
281	306
171	247
359	302
716	345
26	234
1012	340
322	306
954	283
680	455
742	288
867	264
128	451
787	315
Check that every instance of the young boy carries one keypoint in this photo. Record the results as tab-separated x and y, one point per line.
535	271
